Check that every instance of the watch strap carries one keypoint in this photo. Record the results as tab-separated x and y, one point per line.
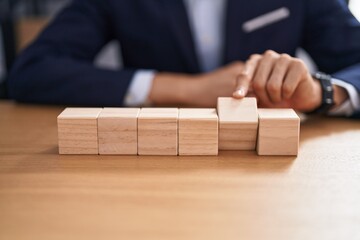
327	93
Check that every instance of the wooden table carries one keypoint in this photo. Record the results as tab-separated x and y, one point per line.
236	195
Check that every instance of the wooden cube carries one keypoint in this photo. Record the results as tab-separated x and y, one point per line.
279	131
238	123
78	131
117	131
157	131
198	131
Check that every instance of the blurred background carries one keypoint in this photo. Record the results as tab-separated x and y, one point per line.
22	20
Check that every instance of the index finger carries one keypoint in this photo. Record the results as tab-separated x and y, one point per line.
245	77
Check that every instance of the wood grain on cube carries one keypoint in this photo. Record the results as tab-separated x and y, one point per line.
78	131
279	131
157	131
198	131
238	123
117	131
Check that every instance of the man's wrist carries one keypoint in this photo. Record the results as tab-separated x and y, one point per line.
340	95
172	88
326	92
318	94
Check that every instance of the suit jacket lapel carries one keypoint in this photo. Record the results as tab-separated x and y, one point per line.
179	24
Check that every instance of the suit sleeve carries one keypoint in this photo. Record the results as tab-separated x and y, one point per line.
58	67
332	38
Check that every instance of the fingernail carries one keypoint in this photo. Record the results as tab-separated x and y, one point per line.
240	92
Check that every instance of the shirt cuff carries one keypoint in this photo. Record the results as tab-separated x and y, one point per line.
139	89
350	106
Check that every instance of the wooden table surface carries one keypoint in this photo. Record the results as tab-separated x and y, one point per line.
236	195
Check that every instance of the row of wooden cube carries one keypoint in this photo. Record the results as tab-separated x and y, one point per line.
237	125
131	131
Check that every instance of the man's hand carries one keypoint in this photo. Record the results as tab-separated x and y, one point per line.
200	90
279	80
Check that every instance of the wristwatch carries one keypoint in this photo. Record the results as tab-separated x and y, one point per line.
327	93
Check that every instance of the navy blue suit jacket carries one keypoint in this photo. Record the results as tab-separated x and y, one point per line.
155	34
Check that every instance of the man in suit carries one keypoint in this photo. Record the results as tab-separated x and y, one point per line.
189	52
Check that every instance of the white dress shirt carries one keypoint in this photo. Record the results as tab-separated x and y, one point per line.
207	23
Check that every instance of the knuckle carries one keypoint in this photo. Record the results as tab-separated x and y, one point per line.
272	87
285	57
243	77
286	89
270	53
298	63
255	56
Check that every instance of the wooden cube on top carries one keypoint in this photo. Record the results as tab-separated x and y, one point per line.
238	123
78	131
157	131
279	131
198	131
117	129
